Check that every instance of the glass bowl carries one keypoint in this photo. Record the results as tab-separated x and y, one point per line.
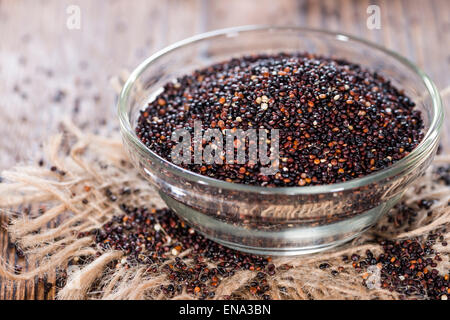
287	220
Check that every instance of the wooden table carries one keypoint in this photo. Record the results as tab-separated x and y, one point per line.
49	71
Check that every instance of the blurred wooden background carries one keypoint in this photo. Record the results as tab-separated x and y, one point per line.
48	71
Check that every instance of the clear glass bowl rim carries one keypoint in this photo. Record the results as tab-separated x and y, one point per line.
421	151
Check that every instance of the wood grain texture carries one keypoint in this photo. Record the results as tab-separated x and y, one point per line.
49	72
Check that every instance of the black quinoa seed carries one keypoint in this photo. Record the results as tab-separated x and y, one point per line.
443	173
337	120
324	266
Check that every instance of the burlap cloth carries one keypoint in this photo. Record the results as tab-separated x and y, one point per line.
88	164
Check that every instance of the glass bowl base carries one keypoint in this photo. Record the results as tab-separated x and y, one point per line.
284	242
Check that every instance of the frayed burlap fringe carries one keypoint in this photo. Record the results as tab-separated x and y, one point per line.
88	165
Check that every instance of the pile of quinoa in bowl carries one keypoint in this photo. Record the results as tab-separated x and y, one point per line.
337	121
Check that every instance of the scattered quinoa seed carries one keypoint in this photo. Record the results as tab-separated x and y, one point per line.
157	237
